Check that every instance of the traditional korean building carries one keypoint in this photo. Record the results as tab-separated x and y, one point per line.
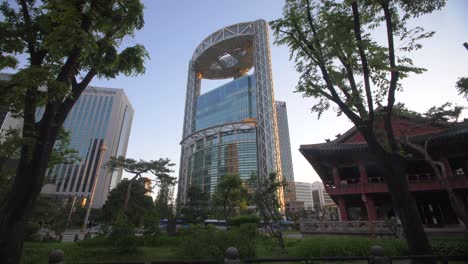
355	184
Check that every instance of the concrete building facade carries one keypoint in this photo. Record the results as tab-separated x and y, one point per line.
313	195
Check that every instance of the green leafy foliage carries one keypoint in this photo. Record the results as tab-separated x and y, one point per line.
266	197
31	230
208	242
159	168
10	146
67	44
139	203
450	246
462	86
244	219
230	192
346	246
50	213
122	234
328	55
336	51
165	199
151	230
196	208
99	249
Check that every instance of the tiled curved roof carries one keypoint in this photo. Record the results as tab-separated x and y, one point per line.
457	133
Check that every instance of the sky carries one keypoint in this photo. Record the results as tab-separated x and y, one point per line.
173	29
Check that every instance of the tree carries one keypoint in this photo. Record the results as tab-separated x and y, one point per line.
462	86
229	193
268	203
340	63
138	204
445	116
10	145
164	199
159	168
67	44
196	207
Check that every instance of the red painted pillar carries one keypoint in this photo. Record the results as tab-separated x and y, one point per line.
336	176
370	208
363	174
343	209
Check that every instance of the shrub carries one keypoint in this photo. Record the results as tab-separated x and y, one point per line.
201	242
36	237
244	219
244	238
122	234
449	246
346	246
48	238
208	242
95	242
31	231
151	227
162	240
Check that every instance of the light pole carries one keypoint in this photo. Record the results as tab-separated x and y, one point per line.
71	211
102	150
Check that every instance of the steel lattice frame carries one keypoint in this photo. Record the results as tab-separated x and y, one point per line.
268	150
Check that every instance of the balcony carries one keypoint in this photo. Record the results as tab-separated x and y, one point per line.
376	185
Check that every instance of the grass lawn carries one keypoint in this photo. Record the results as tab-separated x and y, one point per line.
37	253
171	248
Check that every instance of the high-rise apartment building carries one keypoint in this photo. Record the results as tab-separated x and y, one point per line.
285	145
313	195
233	128
99	124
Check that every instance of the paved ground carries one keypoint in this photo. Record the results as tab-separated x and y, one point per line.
293	235
69	235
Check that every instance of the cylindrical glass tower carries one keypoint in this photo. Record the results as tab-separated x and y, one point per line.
233	128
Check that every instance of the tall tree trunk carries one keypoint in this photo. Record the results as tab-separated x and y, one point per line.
440	172
26	187
127	195
393	168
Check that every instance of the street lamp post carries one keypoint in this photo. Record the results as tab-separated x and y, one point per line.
102	150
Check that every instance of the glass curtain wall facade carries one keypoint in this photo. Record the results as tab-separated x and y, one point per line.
285	145
231	102
228	152
101	116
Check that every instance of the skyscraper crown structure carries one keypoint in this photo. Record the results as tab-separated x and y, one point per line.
232	129
99	125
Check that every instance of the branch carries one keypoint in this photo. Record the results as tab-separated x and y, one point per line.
77	89
365	66
321	63
352	83
72	60
298	42
393	78
30	34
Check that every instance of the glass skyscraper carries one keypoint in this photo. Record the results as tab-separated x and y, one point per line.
226	152
285	145
233	128
100	117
